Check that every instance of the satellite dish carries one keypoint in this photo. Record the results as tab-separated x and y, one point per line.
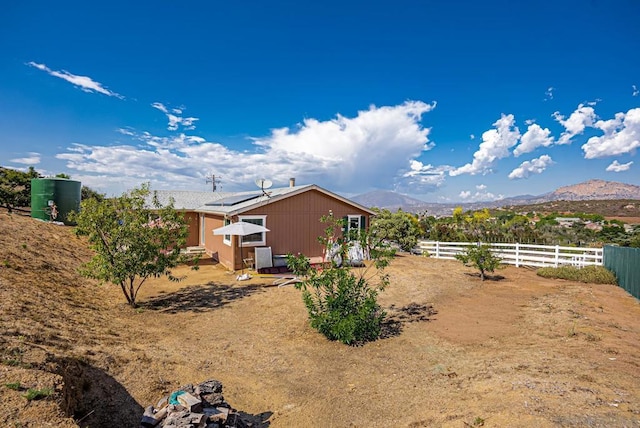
263	183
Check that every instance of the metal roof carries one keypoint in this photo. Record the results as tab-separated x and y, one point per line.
234	203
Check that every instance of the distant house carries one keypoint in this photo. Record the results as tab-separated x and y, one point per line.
567	221
292	215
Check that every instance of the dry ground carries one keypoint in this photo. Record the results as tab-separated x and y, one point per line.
519	352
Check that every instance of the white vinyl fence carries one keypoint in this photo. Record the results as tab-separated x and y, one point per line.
520	254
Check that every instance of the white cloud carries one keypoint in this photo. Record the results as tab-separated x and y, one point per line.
635	92
495	145
188	123
472	136
621	135
534	166
85	83
548	94
481	187
529	122
581	118
532	139
422	177
160	107
480	195
30	159
619	167
126	131
354	154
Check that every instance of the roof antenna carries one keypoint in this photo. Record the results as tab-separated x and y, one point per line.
213	181
263	184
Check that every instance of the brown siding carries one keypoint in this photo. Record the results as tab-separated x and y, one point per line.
294	225
294	222
214	244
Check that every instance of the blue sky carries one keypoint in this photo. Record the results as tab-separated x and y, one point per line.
446	101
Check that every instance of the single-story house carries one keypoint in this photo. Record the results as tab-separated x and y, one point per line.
292	215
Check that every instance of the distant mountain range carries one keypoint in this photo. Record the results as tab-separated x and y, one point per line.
588	190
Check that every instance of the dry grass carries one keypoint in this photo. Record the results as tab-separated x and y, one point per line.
522	351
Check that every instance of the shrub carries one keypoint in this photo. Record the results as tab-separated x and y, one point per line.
588	274
38	394
342	301
480	257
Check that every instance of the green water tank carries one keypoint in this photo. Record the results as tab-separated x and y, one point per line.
52	199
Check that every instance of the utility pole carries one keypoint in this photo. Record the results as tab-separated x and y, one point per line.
214	183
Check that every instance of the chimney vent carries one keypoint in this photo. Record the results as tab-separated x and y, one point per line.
292	182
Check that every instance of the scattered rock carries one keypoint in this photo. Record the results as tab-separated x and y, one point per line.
200	406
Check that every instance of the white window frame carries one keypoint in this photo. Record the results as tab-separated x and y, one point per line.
358	217
226	239
263	241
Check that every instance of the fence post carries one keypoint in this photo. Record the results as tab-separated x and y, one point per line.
517	254
437	249
557	255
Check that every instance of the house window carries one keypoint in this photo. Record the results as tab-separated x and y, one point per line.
354	223
255	239
226	239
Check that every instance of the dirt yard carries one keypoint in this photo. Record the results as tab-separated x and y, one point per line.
521	351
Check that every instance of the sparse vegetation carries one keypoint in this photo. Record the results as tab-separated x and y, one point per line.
38	394
477	422
13	385
588	274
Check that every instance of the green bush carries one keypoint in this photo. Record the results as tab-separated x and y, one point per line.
480	257
589	274
346	309
342	301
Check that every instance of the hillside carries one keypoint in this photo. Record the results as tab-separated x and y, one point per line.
58	329
626	208
589	190
386	199
595	189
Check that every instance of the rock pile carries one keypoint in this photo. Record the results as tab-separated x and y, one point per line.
200	406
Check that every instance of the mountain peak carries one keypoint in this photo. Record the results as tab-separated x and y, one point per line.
596	189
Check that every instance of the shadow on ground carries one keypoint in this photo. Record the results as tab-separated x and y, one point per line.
261	420
487	277
199	298
93	398
397	317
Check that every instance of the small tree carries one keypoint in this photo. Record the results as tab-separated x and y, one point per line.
15	187
132	241
342	302
480	257
400	227
87	192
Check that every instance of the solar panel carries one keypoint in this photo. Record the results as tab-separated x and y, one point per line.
234	200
